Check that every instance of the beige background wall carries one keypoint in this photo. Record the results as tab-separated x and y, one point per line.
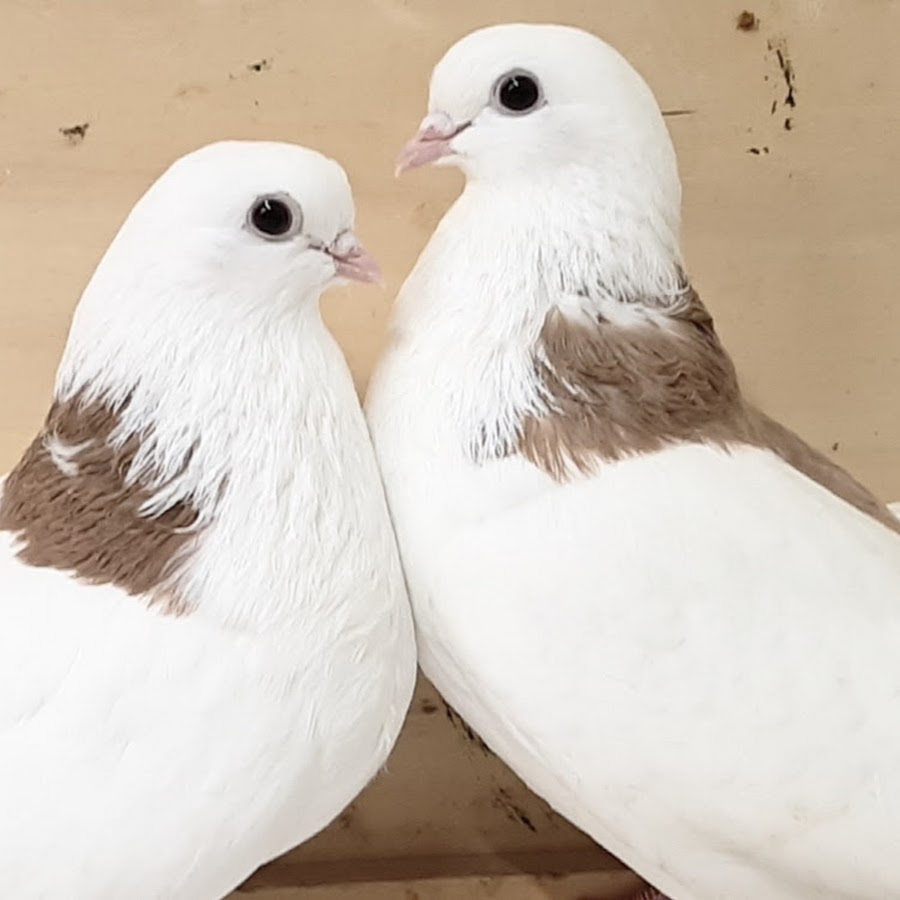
792	233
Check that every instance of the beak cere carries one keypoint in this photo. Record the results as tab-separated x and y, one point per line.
353	261
431	143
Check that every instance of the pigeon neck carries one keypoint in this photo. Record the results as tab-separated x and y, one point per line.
579	230
508	253
172	474
505	258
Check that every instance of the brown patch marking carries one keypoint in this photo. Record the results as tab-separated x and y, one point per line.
89	523
617	391
815	465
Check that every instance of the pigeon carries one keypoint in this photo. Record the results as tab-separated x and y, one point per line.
206	646
672	617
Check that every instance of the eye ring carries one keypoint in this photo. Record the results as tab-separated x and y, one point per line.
517	93
275	217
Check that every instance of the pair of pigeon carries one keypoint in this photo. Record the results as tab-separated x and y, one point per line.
675	620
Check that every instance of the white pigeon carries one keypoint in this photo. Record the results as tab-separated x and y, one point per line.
206	647
674	619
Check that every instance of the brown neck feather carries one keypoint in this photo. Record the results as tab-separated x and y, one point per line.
616	391
79	514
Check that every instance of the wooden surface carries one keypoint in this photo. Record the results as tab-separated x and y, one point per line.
792	235
618	885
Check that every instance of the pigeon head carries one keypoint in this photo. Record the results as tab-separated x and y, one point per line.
277	215
236	237
509	98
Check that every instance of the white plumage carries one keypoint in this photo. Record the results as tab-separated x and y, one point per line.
161	756
691	653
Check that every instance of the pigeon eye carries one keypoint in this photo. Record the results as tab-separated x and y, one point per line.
517	93
275	217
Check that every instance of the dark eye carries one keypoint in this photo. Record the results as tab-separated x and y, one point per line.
517	92
275	217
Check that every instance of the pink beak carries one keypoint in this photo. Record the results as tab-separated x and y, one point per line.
355	263
431	143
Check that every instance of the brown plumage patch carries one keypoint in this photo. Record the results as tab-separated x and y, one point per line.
82	516
616	391
815	465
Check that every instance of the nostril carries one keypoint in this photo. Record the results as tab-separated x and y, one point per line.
344	244
442	132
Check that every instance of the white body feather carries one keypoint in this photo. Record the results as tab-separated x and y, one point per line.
692	655
157	757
